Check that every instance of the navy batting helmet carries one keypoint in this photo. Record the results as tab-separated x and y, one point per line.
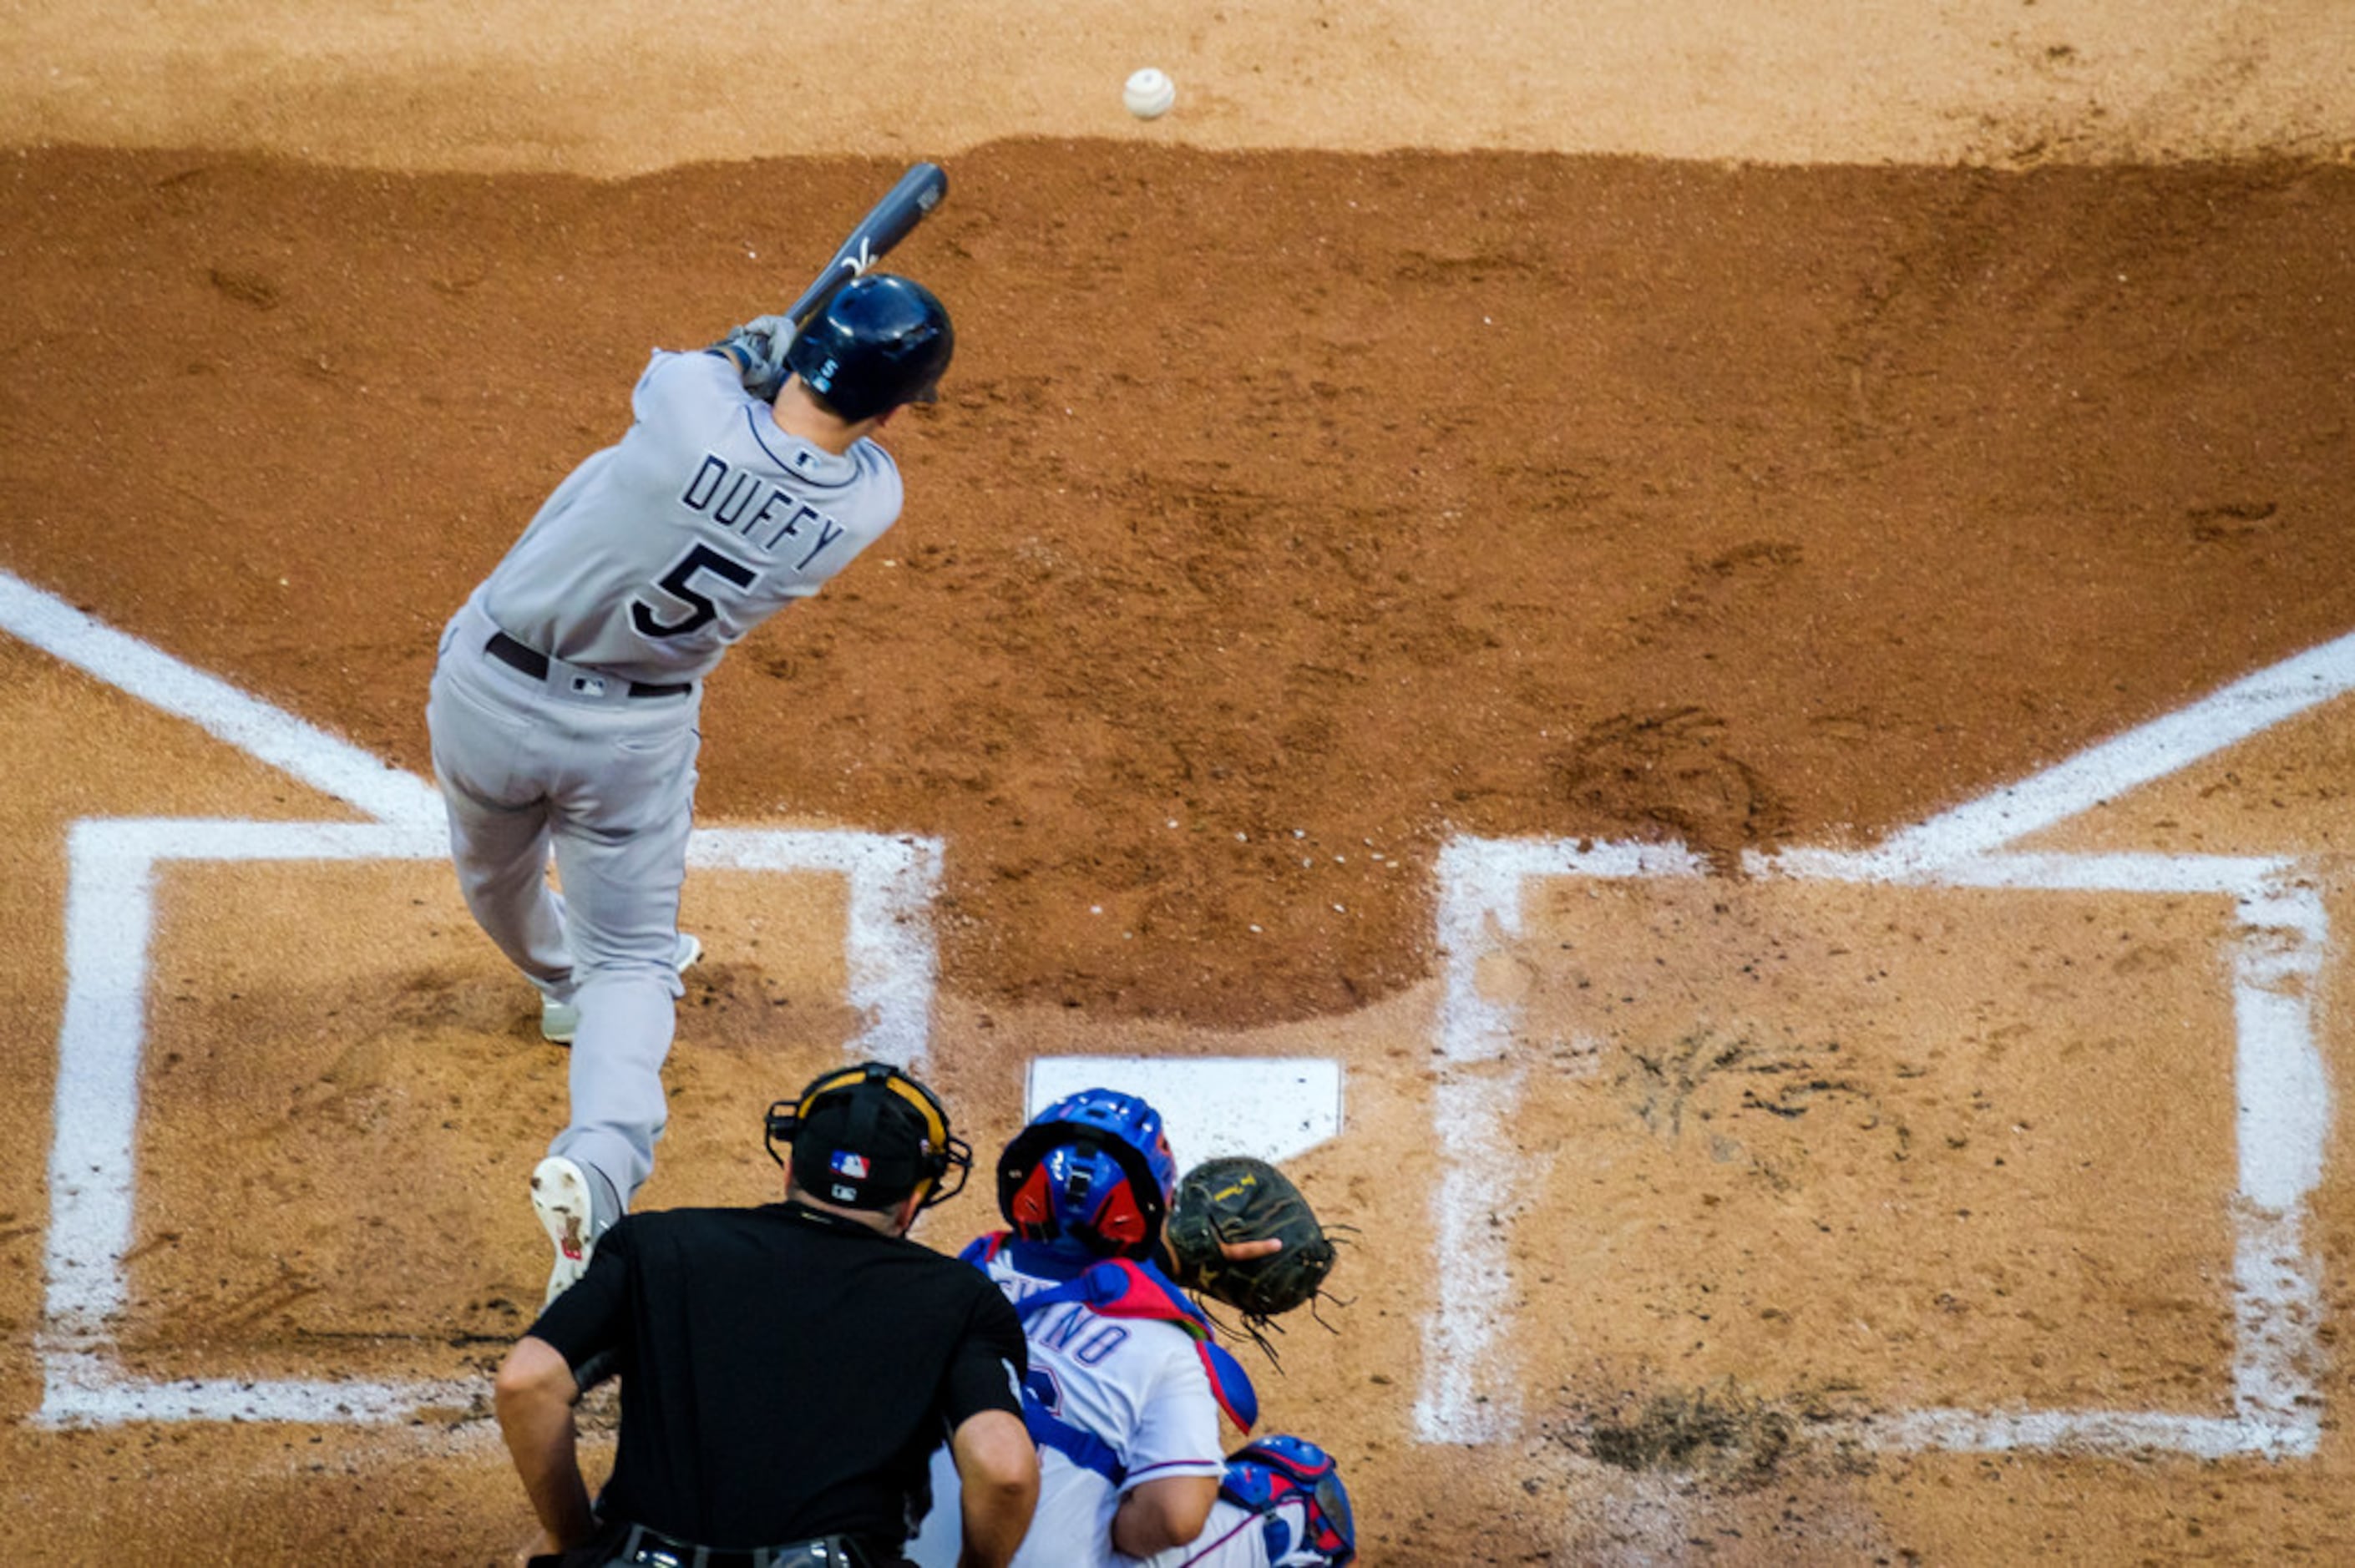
878	342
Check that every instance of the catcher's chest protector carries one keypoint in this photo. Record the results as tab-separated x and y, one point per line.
1123	1287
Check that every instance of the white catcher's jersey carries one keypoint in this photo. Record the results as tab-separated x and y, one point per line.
1232	1538
1134	1383
704	520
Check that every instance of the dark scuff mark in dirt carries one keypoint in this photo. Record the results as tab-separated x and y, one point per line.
1733	1439
1668	773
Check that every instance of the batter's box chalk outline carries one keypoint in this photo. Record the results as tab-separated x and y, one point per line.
890	960
109	915
2281	940
1469	1393
1272	1107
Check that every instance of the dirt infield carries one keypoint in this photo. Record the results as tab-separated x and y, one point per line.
1328	481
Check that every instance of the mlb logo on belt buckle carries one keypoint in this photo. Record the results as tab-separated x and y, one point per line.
589	686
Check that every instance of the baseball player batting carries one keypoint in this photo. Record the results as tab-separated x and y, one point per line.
564	703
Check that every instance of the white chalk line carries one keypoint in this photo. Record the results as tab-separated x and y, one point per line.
2096	1432
2282	1126
92	1162
887	944
2280	1082
2139	757
888	953
85	1388
1470	1391
332	766
2281	1131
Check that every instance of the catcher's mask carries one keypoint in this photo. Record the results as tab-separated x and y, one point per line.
866	1136
878	342
1295	1487
1094	1168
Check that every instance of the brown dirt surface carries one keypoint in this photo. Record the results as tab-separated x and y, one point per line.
1558	494
1747	434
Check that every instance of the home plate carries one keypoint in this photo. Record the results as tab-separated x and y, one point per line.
1271	1106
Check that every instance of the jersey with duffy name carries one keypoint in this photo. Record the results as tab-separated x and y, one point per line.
703	520
1139	1384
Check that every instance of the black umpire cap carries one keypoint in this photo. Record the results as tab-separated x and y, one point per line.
867	1137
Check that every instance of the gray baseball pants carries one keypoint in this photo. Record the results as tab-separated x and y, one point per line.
607	782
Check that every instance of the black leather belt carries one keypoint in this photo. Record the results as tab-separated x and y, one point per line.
657	1549
514	655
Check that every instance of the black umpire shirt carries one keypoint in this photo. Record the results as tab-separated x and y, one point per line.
786	1373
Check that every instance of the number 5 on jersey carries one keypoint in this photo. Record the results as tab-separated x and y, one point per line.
679	584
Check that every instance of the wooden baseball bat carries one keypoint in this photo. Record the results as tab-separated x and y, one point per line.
902	208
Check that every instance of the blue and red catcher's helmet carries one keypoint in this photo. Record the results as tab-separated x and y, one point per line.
1093	1169
878	342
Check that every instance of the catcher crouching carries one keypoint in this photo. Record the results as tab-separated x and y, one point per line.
1127	1383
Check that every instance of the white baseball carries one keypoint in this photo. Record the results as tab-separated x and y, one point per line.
1149	93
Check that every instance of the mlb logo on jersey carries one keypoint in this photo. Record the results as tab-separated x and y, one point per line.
845	1163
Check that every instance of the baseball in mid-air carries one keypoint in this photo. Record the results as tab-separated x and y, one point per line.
1149	93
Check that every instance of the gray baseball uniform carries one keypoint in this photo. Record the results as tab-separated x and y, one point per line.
565	701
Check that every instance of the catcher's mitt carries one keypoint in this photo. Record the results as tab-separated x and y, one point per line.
1242	1199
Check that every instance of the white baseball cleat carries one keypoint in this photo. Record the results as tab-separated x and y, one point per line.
560	1021
560	1197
